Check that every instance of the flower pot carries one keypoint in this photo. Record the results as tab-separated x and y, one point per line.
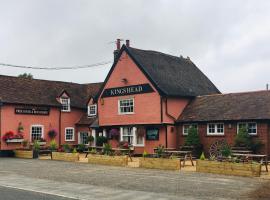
35	154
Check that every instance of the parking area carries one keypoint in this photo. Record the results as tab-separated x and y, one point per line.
49	175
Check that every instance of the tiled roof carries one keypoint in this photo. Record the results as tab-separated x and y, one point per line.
85	120
43	92
174	76
233	106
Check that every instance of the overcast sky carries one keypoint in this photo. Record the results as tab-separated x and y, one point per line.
228	40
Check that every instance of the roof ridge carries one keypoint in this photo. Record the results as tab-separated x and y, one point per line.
244	92
44	80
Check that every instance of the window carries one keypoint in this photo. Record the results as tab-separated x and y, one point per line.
126	106
83	137
186	127
215	129
92	110
36	132
132	136
65	104
69	134
128	135
251	127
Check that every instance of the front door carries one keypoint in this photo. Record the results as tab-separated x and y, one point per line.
83	137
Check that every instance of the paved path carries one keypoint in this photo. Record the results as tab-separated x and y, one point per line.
85	181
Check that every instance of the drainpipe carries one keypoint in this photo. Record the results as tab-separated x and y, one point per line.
168	114
60	127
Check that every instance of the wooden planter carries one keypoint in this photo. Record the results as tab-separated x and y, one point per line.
229	168
14	141
71	157
108	160
159	163
23	154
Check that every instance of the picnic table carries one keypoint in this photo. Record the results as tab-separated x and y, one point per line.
250	157
183	155
241	151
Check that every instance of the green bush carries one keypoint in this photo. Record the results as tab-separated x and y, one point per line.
36	146
160	150
256	146
53	145
202	157
66	148
81	148
192	138
74	150
107	149
90	139
243	139
101	140
226	151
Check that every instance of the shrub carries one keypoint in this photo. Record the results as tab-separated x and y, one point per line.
243	139
107	149
160	150
36	146
145	154
192	138
202	157
256	146
226	151
53	145
101	140
90	139
74	150
66	148
81	148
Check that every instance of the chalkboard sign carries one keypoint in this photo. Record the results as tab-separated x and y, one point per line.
152	134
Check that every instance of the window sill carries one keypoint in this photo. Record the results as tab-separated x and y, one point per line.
69	140
220	135
126	113
65	111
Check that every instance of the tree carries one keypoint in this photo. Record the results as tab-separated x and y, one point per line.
26	75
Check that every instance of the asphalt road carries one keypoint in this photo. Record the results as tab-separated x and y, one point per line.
86	181
16	194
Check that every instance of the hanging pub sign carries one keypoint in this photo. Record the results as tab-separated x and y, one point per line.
32	111
128	90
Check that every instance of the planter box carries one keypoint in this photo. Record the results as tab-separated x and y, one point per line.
71	157
23	154
228	168
14	141
159	163
108	160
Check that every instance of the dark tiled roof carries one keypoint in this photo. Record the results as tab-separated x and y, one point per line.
174	76
234	106
44	92
85	120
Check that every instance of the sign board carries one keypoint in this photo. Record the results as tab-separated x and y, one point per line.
128	90
32	111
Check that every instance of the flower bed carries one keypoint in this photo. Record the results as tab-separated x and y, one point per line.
108	160
228	168
23	154
159	163
71	157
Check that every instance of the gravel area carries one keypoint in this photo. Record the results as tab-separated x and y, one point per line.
185	184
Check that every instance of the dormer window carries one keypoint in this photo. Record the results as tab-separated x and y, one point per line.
65	104
92	110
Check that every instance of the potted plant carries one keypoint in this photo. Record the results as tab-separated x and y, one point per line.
52	133
101	140
10	137
36	148
107	149
66	148
53	145
81	148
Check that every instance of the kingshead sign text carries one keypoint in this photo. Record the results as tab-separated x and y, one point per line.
121	91
32	111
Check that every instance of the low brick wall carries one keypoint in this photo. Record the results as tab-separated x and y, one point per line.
228	168
23	154
108	160
71	157
159	163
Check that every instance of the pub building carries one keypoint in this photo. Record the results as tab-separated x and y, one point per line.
147	99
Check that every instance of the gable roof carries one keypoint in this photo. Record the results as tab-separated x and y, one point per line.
171	75
18	90
233	106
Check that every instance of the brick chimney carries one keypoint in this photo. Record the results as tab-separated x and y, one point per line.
118	45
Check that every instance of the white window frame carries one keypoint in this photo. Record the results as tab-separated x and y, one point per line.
134	135
247	127
42	130
73	137
95	110
190	126
79	137
126	99
216	129
93	133
68	104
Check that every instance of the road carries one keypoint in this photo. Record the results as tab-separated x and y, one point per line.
86	181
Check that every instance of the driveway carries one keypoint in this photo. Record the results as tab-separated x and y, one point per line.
86	181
